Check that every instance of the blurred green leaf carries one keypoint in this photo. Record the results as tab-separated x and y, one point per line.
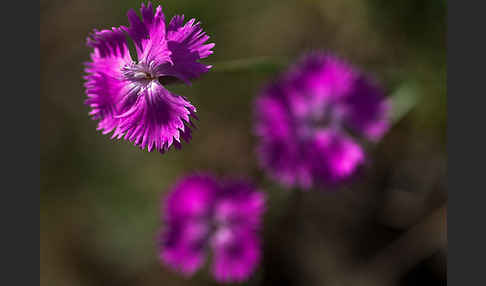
403	99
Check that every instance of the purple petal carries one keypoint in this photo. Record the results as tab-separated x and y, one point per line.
108	43
149	35
322	77
280	151
285	162
103	84
239	205
367	110
189	35
273	118
236	254
187	213
186	43
334	157
137	30
182	245
192	197
153	117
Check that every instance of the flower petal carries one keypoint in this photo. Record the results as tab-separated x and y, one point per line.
153	117
182	245
192	197
279	150
334	157
272	114
239	205
149	35
186	43
103	84
236	254
189	35
108	43
187	211
322	77
367	109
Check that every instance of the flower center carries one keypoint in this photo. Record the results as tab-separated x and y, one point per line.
143	73
328	116
139	73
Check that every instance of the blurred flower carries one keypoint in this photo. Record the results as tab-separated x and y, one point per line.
202	213
129	96
305	118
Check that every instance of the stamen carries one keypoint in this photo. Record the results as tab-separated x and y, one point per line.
140	75
138	72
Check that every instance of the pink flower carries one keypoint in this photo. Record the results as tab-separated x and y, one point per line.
201	214
129	97
303	122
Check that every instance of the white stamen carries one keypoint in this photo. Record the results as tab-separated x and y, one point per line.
140	75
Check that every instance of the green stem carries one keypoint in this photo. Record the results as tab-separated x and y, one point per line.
265	64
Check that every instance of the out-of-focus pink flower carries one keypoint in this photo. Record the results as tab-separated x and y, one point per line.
201	213
303	121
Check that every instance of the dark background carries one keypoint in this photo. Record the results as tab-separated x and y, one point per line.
100	199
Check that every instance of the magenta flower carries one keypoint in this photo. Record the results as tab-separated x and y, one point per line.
129	97
305	118
201	214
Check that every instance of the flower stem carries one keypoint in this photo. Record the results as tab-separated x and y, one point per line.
259	64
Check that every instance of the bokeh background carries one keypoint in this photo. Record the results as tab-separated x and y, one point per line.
100	199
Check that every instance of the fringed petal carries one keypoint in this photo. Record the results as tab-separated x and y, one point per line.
154	118
103	80
108	43
187	44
